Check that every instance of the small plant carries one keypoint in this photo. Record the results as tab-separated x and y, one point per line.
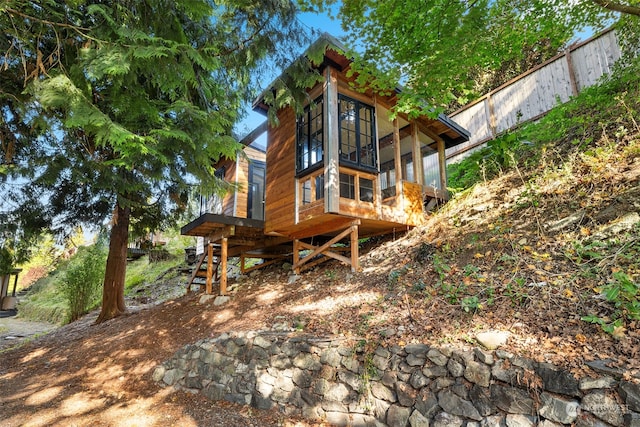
471	304
394	276
516	292
82	282
624	294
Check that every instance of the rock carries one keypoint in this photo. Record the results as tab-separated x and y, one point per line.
456	369
603	407
455	405
493	421
427	403
566	222
483	356
518	420
492	339
205	298
512	400
631	419
548	423
158	373
435	371
382	392
437	357
419	350
630	392
478	373
418	420
307	361
558	380
587	383
398	415
481	399
415	360
221	299
602	366
406	394
558	409
444	419
418	380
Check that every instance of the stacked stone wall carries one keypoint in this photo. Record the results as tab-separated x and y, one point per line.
416	385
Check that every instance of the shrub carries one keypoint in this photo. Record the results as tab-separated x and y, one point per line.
82	282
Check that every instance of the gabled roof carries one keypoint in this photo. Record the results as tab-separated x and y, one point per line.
334	56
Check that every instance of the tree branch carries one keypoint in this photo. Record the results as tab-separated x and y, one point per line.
618	7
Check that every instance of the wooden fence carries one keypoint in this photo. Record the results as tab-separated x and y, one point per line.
533	93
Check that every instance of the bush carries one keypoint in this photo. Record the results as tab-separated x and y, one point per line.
82	282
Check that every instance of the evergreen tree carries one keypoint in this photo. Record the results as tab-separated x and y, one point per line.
116	109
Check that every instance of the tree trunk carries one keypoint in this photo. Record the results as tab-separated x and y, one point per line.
113	289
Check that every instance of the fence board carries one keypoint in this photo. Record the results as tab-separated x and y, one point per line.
534	93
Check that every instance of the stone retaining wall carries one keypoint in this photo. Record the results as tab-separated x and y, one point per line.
415	385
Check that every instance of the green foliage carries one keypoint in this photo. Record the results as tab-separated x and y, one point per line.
6	261
81	284
426	45
624	294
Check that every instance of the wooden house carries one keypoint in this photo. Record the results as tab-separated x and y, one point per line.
340	171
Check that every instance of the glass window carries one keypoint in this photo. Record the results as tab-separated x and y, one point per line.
357	136
319	187
347	186
366	190
306	191
310	137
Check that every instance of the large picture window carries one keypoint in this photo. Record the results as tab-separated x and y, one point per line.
357	133
310	137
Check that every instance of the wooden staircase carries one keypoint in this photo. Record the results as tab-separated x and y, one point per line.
199	272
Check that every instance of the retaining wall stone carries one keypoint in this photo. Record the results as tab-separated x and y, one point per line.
416	385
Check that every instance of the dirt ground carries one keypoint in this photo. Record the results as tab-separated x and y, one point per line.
488	264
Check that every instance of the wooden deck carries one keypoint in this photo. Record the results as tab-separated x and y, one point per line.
306	244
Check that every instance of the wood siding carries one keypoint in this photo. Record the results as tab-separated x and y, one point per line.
281	166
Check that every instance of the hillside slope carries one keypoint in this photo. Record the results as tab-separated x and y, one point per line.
547	250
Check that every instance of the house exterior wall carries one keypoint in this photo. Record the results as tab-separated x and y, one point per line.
281	166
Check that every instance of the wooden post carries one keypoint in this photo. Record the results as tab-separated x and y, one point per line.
572	73
397	152
418	176
442	165
209	285
223	266
354	249
296	256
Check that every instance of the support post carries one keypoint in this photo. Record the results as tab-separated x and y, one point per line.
397	153
209	285
354	249
296	256
442	166
223	266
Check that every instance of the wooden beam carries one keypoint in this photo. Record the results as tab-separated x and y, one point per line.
223	267
328	253
418	175
296	256
354	249
209	287
442	166
195	271
397	153
227	231
318	250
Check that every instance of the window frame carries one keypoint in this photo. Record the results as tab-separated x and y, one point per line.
305	120
358	105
